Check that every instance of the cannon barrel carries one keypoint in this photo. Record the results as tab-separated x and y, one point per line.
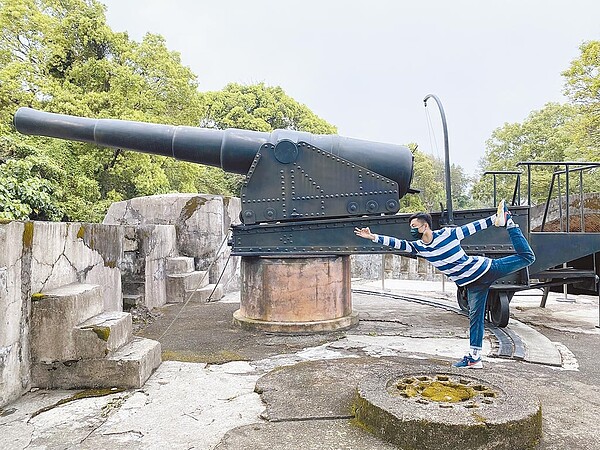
232	149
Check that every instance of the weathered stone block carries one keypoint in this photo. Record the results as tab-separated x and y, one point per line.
366	266
201	221
130	243
129	368
394	266
437	409
180	264
178	285
157	243
15	258
55	313
64	253
202	295
102	334
231	278
228	266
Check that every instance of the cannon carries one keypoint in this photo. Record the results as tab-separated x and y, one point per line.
297	186
290	175
303	194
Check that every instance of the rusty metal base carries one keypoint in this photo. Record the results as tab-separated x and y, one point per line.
318	326
296	294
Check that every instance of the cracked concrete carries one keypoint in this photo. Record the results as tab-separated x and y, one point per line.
211	400
262	391
14	310
39	256
61	256
184	215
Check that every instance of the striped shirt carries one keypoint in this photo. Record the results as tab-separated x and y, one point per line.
445	253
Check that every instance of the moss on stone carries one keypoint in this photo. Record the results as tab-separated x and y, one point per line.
28	235
478	418
88	393
81	232
438	391
191	206
425	429
102	332
37	297
220	357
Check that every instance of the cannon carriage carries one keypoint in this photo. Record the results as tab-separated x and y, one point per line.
304	194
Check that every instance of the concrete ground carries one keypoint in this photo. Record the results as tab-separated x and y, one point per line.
220	387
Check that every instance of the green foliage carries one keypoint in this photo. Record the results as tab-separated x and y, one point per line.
61	56
567	132
543	136
29	184
259	108
583	76
583	89
428	178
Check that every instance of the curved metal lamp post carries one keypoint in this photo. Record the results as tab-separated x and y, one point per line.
447	157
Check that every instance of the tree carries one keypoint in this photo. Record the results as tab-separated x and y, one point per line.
30	183
582	86
567	132
543	136
260	108
428	178
61	56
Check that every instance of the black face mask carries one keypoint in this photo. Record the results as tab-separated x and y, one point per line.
414	232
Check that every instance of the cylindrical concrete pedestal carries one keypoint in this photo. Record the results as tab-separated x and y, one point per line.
296	295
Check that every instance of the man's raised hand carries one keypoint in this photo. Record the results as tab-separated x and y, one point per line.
364	233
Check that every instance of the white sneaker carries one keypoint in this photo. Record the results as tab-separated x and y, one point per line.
501	214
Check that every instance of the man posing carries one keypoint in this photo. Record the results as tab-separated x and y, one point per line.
476	273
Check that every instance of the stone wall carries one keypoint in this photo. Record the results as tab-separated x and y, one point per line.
200	224
64	253
130	250
591	209
396	267
40	256
143	267
14	311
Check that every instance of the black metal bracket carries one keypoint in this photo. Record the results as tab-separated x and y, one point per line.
289	181
336	236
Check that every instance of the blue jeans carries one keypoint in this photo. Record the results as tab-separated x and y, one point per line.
477	291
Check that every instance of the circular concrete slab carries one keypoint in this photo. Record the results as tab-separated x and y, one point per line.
438	408
304	434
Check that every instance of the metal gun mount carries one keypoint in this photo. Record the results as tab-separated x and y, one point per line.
294	180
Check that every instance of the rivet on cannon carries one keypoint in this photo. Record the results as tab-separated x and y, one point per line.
352	207
372	206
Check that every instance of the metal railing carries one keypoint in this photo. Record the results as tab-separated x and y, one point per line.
516	198
569	167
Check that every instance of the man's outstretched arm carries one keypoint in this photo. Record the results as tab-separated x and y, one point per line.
399	244
473	227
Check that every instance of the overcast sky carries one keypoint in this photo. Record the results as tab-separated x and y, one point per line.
366	66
